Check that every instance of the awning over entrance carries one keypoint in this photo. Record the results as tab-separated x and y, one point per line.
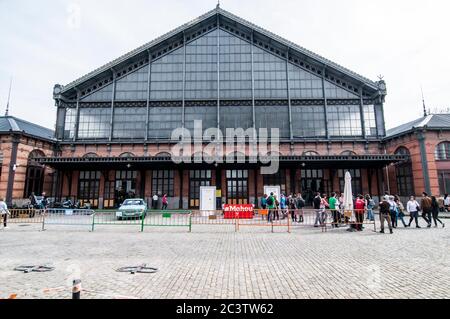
150	162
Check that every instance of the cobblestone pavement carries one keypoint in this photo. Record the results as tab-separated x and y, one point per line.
216	262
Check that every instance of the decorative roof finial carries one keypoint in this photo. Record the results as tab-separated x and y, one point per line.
9	96
218	4
423	102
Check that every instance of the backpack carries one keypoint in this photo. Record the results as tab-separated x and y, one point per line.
270	201
301	203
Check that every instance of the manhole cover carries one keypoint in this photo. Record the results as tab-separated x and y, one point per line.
138	269
39	268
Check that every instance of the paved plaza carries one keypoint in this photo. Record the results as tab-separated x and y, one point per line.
216	262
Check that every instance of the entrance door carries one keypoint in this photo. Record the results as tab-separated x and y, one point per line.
237	187
207	198
312	182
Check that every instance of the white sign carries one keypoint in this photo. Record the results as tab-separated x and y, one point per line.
276	190
207	198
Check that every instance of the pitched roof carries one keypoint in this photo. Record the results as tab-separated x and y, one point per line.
238	20
433	121
12	124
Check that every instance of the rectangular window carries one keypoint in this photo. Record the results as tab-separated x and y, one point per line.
197	178
94	123
369	120
129	122
70	123
162	182
344	120
125	185
273	117
163	120
308	121
237	186
88	187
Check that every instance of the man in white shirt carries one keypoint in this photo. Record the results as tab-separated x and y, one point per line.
4	212
412	208
155	201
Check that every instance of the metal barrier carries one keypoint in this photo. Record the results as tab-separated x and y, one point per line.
143	219
290	219
113	219
68	217
168	219
25	216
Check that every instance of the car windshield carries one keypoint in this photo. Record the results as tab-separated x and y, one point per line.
132	202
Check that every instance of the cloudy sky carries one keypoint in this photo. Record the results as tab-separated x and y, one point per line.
56	41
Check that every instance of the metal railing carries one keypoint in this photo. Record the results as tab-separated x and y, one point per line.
275	218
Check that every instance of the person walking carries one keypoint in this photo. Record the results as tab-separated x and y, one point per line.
271	206
155	201
264	202
426	208
370	204
4	212
400	211
334	207
435	212
393	211
446	202
360	209
165	202
385	214
413	208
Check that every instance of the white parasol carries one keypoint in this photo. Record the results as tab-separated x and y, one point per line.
348	194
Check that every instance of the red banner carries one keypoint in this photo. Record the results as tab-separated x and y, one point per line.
238	211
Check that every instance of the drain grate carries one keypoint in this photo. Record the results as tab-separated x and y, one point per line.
38	268
138	269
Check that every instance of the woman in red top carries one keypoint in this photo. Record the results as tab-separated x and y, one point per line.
360	208
165	202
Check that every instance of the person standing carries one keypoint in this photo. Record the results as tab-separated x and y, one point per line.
317	201
413	208
333	202
292	208
426	208
264	202
165	202
155	201
323	210
435	211
360	208
4	212
385	214
300	204
370	204
283	206
271	207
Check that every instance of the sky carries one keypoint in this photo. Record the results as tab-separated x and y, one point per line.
57	41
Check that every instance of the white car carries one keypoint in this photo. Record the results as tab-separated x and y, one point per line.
132	208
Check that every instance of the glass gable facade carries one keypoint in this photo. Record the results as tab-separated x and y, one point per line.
218	65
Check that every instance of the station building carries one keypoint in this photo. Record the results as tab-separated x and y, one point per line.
114	125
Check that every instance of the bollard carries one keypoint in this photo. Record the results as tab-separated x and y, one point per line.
76	290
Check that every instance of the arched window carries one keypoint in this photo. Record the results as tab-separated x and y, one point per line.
163	154
310	153
404	175
348	153
34	181
127	154
90	155
442	152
